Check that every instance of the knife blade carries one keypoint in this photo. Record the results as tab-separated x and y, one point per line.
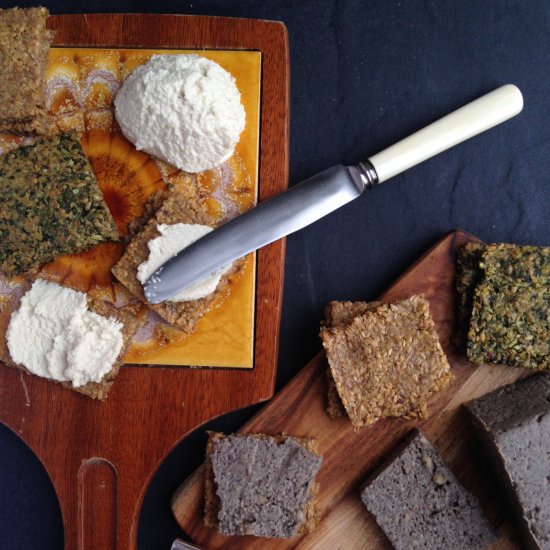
323	193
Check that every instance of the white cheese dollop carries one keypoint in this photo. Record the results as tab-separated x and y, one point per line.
54	335
184	109
173	239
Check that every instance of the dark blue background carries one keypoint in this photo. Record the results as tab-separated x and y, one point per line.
364	73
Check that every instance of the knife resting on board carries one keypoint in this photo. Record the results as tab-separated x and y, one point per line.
323	193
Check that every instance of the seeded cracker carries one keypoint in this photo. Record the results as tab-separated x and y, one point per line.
24	46
388	362
504	294
510	325
338	314
50	204
176	208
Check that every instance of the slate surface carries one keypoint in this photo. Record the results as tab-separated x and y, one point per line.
364	73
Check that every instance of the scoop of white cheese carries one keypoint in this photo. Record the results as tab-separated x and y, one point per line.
184	109
54	335
173	239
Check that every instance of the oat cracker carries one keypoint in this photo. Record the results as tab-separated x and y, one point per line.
387	362
24	46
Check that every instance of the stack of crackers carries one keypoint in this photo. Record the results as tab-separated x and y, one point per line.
385	359
504	303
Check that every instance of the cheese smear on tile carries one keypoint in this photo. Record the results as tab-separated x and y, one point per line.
174	238
184	109
54	335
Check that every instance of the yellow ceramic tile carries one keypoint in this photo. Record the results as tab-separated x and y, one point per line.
81	86
221	338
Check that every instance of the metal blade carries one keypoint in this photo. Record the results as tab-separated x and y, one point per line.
290	211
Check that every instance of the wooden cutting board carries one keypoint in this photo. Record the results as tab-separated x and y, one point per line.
299	409
101	456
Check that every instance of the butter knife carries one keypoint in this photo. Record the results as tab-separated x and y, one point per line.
323	193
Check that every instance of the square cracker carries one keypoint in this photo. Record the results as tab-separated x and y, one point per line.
387	362
176	208
510	325
24	46
505	263
504	303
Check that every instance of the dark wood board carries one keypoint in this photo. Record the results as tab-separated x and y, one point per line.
101	456
299	409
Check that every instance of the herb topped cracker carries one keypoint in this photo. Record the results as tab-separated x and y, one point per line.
510	325
387	362
50	204
24	46
504	293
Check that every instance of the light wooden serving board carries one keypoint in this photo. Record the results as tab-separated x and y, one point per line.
101	456
299	409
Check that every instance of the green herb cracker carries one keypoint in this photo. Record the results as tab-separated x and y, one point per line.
50	204
510	325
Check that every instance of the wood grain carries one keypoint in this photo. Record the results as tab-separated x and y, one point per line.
299	409
120	443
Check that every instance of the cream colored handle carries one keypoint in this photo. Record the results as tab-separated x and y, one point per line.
468	121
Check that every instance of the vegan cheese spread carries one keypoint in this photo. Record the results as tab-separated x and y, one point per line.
54	335
183	109
172	239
